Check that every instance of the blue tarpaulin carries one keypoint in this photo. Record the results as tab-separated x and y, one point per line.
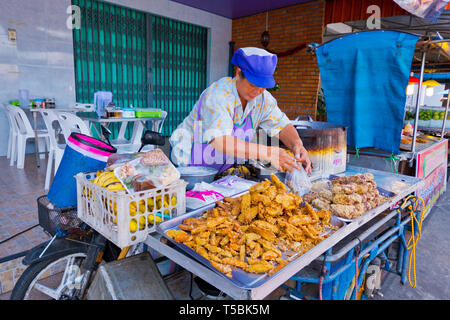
364	77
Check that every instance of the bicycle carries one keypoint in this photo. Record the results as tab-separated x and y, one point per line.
75	250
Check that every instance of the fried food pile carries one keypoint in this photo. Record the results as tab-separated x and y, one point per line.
252	232
346	197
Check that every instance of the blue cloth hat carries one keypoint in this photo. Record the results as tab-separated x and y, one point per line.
257	64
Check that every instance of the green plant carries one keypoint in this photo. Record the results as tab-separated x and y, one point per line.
276	87
321	109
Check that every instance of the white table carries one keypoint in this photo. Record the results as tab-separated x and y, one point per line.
107	121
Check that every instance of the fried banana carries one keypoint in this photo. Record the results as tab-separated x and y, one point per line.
266	225
178	235
222	268
266	234
280	185
259	267
235	263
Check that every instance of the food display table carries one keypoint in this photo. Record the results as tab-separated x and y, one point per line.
399	185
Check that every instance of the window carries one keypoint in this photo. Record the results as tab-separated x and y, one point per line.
144	60
179	69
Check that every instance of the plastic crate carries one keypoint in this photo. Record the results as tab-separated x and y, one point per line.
52	220
127	219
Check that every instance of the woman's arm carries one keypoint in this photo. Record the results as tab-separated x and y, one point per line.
278	157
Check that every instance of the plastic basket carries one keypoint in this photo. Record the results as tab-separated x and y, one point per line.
127	219
53	219
148	113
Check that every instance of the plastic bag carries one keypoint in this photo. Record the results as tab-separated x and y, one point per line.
152	169
298	181
430	10
117	159
234	184
204	193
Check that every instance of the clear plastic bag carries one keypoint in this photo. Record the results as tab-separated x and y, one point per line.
234	184
152	169
298	181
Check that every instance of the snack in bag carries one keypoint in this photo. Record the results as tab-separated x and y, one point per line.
150	170
117	159
298	181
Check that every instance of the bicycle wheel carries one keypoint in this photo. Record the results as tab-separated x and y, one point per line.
37	283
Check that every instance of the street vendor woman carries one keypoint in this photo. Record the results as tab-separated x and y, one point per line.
220	128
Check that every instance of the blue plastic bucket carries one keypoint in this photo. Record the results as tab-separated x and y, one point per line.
82	154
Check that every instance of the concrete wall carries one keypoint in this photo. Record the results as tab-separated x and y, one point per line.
41	60
432	101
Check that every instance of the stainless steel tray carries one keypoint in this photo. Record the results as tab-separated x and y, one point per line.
240	278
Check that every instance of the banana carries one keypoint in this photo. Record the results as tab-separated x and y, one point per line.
116	187
142	223
113	185
107	180
142	206
151	219
150	204
103	177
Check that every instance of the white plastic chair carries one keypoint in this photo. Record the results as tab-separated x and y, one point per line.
14	131
25	132
70	122
56	151
132	146
84	106
12	137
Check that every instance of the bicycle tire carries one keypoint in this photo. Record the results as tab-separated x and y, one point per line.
31	272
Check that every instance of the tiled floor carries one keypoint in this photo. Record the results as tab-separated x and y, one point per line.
19	190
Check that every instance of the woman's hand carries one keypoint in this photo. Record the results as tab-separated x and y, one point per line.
289	136
301	154
280	159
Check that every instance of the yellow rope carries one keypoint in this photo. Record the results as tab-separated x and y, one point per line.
411	245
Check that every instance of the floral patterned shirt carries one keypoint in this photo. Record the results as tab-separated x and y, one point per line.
221	108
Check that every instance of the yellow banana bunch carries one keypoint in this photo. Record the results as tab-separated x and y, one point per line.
108	180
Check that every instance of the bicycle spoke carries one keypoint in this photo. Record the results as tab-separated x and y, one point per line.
46	290
72	277
68	271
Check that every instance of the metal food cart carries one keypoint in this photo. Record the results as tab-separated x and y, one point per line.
400	185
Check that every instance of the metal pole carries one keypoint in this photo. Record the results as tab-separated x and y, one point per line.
419	97
36	141
437	41
445	117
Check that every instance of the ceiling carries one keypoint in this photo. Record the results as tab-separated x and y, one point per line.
438	55
233	9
